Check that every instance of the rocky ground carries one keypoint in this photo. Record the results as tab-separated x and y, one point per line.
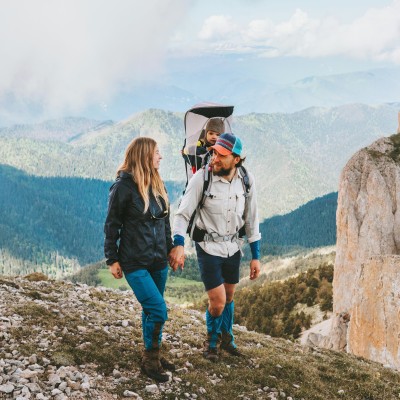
70	341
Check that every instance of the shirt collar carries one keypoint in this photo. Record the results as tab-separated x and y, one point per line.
220	178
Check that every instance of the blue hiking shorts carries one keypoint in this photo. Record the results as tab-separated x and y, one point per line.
215	270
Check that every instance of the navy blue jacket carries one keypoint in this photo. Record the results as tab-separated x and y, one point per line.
134	239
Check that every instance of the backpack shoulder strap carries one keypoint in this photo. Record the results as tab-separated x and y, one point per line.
246	180
206	185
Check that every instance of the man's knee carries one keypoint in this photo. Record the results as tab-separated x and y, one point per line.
216	309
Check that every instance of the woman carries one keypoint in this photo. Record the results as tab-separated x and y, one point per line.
138	217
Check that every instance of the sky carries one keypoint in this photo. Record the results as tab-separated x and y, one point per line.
61	56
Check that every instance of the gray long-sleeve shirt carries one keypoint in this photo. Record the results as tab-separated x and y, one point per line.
223	213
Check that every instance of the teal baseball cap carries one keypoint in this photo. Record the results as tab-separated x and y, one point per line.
227	143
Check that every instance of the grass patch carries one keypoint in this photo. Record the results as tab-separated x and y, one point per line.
104	350
107	280
183	291
37	314
9	283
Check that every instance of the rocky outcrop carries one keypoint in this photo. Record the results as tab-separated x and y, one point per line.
374	329
366	286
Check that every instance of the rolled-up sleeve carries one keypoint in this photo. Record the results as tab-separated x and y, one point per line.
251	221
189	203
114	222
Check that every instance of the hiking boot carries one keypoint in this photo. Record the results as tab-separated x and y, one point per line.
151	365
210	353
166	364
231	349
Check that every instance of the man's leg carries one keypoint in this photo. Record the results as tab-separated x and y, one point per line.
216	304
211	275
227	316
230	273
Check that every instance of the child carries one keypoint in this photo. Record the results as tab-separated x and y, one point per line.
208	137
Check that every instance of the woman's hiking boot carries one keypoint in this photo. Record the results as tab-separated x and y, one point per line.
167	364
152	367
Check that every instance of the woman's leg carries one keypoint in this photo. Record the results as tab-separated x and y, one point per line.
160	280
153	304
154	315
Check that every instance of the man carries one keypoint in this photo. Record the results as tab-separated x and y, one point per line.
226	208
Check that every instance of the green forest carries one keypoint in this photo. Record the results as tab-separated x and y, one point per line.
41	216
272	308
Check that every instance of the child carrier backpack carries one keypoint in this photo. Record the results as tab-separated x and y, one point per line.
195	120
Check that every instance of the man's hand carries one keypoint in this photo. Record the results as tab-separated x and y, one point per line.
176	257
116	270
254	269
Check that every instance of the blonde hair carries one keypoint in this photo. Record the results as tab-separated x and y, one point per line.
139	163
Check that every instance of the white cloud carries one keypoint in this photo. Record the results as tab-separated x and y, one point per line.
373	35
217	27
66	53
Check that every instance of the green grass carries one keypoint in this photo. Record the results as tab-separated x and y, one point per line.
107	280
178	291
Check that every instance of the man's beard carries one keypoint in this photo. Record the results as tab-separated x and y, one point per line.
223	171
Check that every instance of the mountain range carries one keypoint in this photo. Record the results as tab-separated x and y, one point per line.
294	157
252	89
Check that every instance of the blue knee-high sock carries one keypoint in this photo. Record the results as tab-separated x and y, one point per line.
227	321
213	328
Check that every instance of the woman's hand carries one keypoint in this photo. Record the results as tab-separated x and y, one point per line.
176	258
116	270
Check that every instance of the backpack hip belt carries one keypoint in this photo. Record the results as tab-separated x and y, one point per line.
201	235
213	237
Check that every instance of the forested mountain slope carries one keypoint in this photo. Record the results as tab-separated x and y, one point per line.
44	218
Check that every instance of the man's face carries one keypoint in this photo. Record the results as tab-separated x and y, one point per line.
211	137
223	165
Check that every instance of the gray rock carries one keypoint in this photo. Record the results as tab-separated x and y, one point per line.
116	374
128	393
54	379
85	386
41	396
7	388
152	389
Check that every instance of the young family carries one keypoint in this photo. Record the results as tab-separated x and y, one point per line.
139	243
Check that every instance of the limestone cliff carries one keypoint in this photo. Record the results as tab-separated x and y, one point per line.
366	286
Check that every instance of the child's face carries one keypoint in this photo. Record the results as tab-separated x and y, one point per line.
212	137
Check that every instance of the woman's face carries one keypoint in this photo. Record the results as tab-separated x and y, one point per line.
156	158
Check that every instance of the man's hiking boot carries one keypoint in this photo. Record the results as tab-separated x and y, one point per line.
166	364
231	349
211	353
152	367
228	345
